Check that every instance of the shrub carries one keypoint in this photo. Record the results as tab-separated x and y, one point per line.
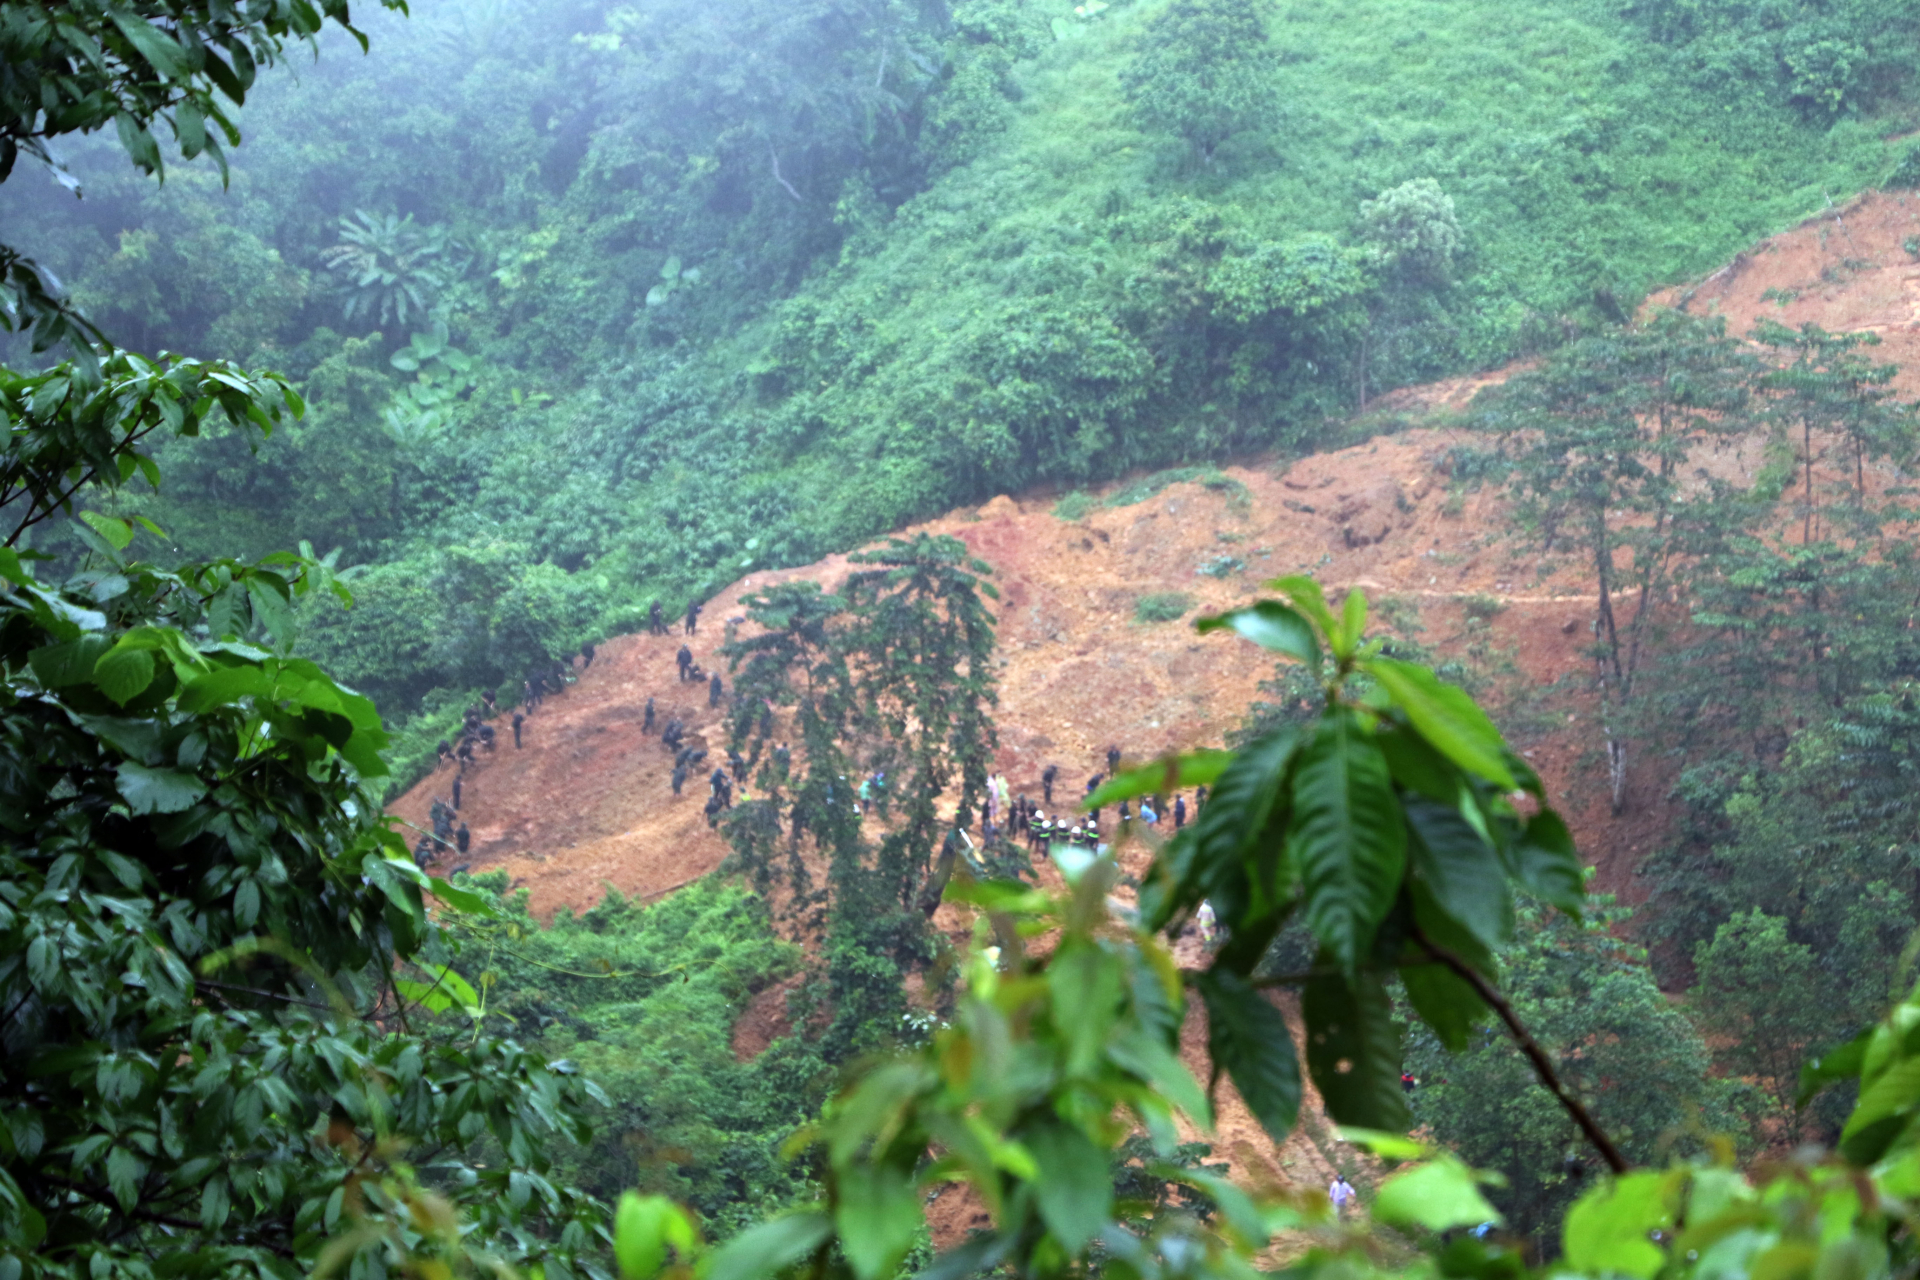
1162	606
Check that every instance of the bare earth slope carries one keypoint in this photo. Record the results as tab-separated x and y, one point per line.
586	804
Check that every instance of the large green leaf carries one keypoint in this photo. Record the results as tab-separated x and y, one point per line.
1348	840
158	790
1353	1050
1545	861
123	672
765	1250
1835	1065
1271	625
1462	870
1075	1186
1247	1037
643	1228
1439	1195
1606	1231
1447	717
1444	1000
58	666
1236	812
1162	777
878	1215
1086	982
1309	599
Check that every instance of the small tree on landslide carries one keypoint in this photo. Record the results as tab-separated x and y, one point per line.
891	677
1598	437
1202	72
1591	1001
1760	997
1827	387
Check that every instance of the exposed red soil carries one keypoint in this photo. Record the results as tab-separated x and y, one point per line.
1847	270
586	805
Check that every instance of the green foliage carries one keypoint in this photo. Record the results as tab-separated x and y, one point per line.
1598	438
1050	1065
1827	59
1412	229
891	680
1074	506
211	938
1201	71
937	257
1162	606
1590	1000
388	269
1761	995
1906	174
642	1000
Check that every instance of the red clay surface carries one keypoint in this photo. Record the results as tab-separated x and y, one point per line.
586	804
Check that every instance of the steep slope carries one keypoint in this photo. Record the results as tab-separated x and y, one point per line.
586	803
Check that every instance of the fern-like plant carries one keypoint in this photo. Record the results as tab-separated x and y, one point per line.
389	269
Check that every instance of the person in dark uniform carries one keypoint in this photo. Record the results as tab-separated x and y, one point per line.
464	753
518	720
456	791
656	623
586	655
646	726
486	737
693	615
1113	759
679	778
738	763
1179	812
529	696
1047	776
446	751
493	708
714	690
685	659
423	850
462	838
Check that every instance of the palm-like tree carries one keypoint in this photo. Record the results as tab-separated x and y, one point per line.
389	269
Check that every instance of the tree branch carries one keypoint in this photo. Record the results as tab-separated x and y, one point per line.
1542	1065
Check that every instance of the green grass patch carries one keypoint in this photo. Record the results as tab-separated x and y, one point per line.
1074	506
1163	606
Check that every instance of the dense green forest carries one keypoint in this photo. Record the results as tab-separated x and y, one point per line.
596	304
535	314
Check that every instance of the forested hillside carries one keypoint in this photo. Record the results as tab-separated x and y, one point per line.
600	304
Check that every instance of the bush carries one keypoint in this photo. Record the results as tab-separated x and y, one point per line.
1162	606
1906	174
1074	506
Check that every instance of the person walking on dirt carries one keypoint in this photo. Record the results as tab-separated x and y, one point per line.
586	655
714	690
456	792
1179	812
646	725
1047	776
685	659
656	622
518	720
693	615
1341	1193
1113	759
679	778
462	838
